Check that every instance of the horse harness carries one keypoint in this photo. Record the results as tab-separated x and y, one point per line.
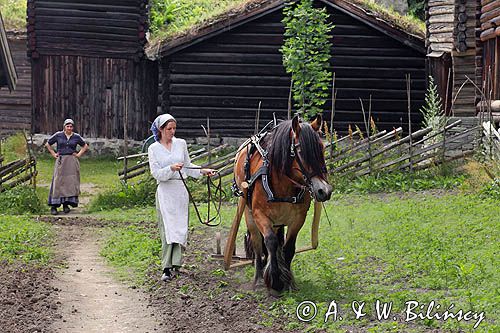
253	145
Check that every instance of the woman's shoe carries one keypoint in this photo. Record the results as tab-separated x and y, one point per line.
66	209
53	210
167	275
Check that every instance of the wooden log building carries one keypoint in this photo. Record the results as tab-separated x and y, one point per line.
87	60
8	74
9	82
224	70
463	42
490	38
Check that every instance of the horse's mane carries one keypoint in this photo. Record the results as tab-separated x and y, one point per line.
278	144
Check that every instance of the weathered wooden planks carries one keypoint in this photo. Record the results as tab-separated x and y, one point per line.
87	28
92	91
15	106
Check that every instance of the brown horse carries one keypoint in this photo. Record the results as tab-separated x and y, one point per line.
278	188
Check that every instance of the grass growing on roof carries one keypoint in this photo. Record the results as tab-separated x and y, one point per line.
172	17
13	14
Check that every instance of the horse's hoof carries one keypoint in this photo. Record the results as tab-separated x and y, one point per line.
274	293
259	284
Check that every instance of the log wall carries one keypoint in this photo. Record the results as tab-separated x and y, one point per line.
226	77
15	106
95	92
490	36
440	25
96	28
88	64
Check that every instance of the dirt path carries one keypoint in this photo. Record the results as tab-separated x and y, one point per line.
89	298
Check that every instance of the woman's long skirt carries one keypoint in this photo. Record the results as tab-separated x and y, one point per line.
65	186
172	206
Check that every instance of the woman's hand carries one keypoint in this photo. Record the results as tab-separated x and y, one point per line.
176	166
54	154
209	172
76	155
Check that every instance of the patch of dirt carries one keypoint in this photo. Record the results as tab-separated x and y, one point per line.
202	298
90	299
27	298
84	297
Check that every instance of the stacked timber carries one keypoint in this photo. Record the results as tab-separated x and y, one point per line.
440	21
490	36
440	18
101	28
490	19
232	75
464	58
88	64
15	106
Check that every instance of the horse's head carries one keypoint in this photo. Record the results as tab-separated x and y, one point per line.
298	152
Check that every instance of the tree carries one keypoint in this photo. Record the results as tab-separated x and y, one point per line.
306	55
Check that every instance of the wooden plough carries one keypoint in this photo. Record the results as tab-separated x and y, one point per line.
230	256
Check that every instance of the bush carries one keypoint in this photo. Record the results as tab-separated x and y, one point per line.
126	196
492	190
20	200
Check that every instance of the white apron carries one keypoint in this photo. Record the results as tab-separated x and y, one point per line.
173	199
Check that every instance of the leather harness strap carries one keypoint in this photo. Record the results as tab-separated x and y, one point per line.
263	172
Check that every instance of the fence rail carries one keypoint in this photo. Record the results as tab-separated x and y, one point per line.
17	172
141	166
355	156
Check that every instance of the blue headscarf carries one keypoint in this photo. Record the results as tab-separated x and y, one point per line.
159	122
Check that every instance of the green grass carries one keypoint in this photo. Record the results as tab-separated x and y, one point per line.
416	247
23	239
421	248
133	252
101	171
443	178
182	16
13	13
21	200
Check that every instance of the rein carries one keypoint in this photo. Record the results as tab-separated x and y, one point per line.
217	195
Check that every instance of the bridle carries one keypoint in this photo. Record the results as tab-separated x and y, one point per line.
214	198
295	153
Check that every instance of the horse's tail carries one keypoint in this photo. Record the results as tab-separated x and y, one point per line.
248	246
279	277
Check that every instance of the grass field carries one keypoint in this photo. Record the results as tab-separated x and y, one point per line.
23	239
395	248
436	245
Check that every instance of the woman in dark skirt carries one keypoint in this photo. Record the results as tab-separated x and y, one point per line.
65	186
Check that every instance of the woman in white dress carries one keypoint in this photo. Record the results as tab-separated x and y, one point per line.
167	156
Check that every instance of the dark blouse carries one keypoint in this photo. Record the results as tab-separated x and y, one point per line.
66	146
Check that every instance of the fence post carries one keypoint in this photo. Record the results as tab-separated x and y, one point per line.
410	148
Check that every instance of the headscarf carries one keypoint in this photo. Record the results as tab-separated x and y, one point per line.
69	121
159	122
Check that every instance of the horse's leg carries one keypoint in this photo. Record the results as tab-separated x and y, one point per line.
276	275
255	238
289	248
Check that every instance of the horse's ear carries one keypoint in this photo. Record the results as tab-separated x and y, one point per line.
296	125
317	123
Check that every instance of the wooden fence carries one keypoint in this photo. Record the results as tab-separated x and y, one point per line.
17	172
491	140
388	152
355	155
137	164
